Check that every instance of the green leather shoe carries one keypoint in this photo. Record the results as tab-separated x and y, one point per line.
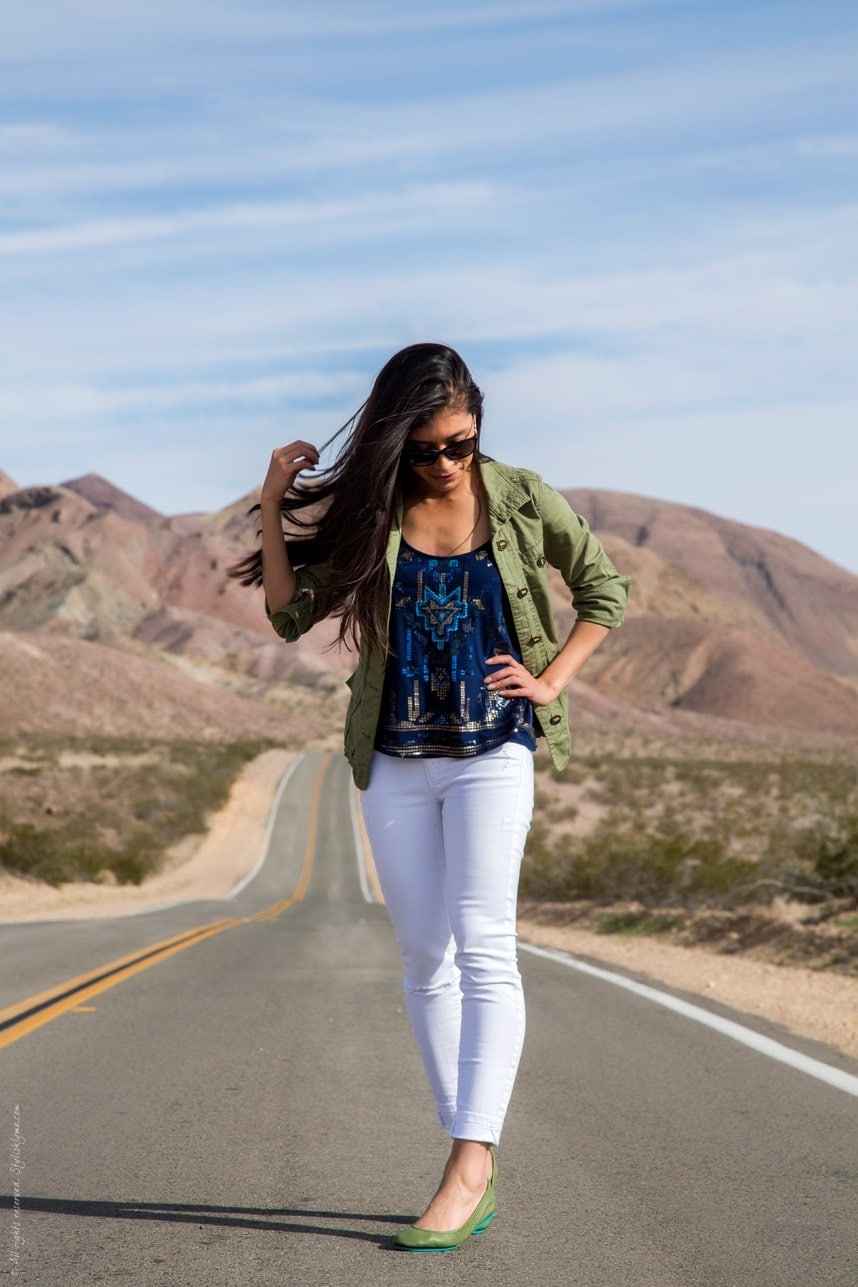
412	1239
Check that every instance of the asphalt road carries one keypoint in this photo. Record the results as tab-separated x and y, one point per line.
249	1109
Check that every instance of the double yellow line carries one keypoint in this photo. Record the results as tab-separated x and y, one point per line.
25	1016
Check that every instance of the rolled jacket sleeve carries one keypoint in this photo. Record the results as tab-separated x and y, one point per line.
306	608
599	592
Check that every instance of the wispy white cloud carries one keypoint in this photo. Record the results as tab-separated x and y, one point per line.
830	146
58	27
65	402
373	210
22	139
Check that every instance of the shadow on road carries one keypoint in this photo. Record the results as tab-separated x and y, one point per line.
274	1219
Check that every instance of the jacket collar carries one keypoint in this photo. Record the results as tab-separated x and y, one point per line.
505	489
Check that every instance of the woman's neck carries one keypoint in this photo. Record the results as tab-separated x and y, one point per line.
443	525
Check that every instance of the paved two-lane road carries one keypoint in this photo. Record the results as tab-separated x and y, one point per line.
245	1106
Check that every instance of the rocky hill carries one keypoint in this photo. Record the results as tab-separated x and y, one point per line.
59	685
72	566
726	619
771	586
729	627
104	495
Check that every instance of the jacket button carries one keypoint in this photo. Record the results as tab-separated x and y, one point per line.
522	594
531	643
555	719
502	545
540	562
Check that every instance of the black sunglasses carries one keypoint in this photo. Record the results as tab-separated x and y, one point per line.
453	451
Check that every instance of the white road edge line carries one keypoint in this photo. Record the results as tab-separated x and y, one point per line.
727	1027
269	829
358	839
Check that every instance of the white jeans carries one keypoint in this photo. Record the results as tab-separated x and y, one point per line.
447	837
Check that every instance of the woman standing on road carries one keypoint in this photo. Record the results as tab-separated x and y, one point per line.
433	556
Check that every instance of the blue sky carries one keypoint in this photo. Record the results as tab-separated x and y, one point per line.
636	221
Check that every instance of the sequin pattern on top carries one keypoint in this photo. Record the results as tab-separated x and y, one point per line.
447	616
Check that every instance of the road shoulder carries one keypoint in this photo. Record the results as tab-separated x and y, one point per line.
822	1007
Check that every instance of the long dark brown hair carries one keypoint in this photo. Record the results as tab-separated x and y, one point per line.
347	510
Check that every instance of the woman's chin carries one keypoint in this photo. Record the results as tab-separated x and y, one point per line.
443	484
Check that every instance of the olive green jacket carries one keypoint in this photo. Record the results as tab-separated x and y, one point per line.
531	525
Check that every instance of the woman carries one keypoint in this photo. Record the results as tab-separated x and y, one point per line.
433	556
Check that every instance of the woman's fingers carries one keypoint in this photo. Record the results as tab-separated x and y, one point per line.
512	674
299	453
284	467
514	680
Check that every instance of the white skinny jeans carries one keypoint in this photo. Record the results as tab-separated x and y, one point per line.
447	836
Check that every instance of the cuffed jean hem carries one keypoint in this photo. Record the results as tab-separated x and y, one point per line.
468	1126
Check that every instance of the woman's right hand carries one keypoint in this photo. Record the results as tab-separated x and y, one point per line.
285	466
278	576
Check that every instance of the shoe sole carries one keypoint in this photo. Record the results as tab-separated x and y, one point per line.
429	1251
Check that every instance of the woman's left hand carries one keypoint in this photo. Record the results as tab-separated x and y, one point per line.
514	680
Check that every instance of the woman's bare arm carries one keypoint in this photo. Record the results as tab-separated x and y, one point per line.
278	575
513	680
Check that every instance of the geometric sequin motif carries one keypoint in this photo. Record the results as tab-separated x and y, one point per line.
448	615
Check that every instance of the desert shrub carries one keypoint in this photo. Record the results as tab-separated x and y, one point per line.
818	862
48	854
56	856
638	922
836	866
647	868
677	825
129	808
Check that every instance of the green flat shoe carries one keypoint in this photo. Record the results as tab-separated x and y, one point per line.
412	1239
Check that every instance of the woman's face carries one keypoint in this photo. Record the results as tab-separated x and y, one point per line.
443	476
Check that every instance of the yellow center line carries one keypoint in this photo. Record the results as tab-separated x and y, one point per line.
25	1016
309	855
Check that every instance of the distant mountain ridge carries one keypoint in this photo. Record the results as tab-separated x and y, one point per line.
785	589
726	621
98	491
764	630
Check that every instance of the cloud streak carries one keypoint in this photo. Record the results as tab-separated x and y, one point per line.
418	202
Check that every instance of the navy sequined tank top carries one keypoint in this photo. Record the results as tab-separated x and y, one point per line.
448	614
